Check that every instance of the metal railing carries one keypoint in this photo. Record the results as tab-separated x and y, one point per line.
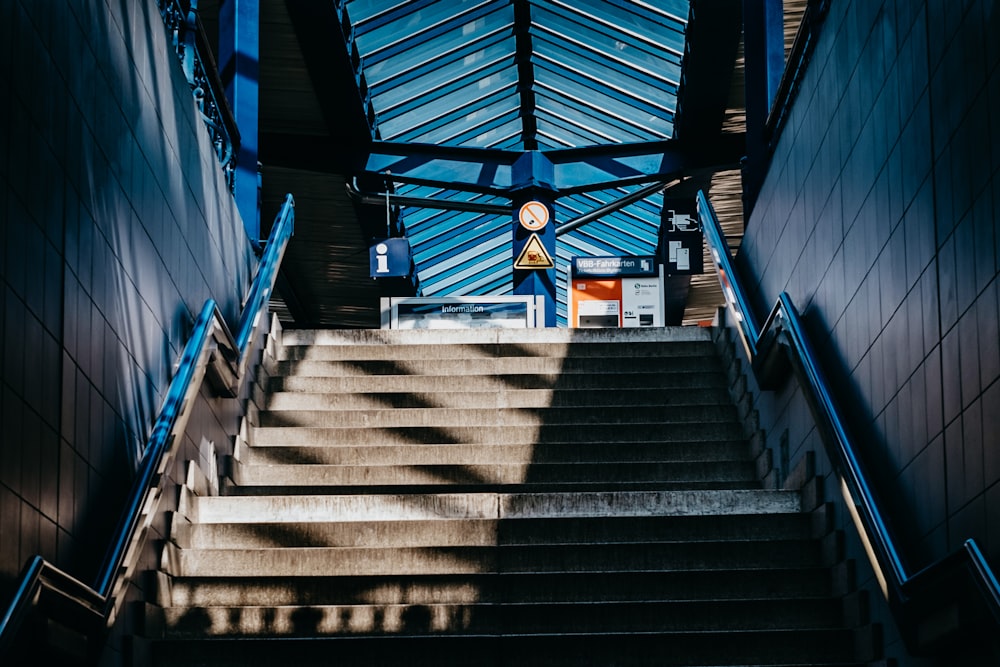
191	43
913	597
210	351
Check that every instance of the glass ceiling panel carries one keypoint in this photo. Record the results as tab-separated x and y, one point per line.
397	31
554	132
417	82
398	71
433	93
501	131
658	23
658	56
606	129
488	135
555	47
625	99
451	118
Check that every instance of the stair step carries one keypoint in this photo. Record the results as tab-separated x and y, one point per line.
472	351
356	561
774	648
267	509
520	337
498	398
503	618
468	454
638	366
381	434
555	381
408	417
581	586
605	473
489	532
230	489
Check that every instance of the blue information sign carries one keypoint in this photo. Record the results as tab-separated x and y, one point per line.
390	258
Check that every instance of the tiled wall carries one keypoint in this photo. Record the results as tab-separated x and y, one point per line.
878	216
117	226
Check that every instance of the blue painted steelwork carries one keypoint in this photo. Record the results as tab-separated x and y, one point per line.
463	90
239	57
491	171
907	592
533	232
764	48
100	603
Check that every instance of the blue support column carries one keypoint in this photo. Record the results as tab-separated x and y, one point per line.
534	230
764	47
239	62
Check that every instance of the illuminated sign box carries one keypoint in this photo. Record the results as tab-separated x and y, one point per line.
614	267
462	312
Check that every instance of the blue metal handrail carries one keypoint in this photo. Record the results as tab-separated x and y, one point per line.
267	274
102	600
732	289
874	530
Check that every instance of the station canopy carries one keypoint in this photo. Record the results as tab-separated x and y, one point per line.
519	75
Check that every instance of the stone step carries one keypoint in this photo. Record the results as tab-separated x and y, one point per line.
522	337
307	508
479	454
589	486
638	366
500	397
384	435
773	648
556	382
472	351
480	618
478	417
488	532
580	586
471	474
377	561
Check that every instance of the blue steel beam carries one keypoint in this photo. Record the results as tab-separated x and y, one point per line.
474	169
574	170
764	44
239	60
525	74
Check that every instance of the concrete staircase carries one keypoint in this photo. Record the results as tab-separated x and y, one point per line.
500	497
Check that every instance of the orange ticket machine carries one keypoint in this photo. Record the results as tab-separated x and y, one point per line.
616	292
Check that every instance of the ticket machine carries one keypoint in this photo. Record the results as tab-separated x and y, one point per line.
615	292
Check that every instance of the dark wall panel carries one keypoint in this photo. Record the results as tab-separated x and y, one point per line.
878	215
117	225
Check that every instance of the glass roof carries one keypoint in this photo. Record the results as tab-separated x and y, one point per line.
520	75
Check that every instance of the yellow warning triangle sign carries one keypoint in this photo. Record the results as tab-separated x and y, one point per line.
533	255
